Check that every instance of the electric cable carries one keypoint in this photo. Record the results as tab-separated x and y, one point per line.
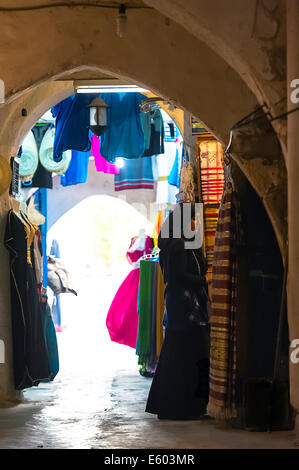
70	5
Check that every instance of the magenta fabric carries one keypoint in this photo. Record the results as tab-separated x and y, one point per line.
122	318
135	255
100	162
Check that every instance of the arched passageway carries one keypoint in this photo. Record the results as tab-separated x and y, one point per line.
218	83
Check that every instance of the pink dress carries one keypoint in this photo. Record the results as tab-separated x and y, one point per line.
122	318
100	162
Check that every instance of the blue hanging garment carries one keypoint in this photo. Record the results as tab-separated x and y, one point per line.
72	120
135	174
174	177
77	170
124	137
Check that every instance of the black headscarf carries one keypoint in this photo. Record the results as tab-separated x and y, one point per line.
167	244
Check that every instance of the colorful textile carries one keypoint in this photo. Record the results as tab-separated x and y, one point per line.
133	256
212	173
143	347
100	162
223	318
157	226
174	176
124	137
160	310
122	318
135	174
153	351
211	212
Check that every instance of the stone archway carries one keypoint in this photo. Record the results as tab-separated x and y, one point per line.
157	53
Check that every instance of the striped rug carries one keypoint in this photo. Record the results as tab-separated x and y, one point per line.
210	213
223	324
211	171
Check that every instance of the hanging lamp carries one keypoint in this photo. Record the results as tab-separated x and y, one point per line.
98	118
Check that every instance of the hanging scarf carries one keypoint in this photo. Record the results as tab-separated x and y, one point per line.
143	346
223	318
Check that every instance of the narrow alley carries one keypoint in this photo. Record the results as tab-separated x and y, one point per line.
149	230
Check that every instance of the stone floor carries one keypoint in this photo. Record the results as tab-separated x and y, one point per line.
111	415
98	398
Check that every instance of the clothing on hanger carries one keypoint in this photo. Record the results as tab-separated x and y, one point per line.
41	178
222	401
51	340
135	174
122	317
211	171
30	357
78	169
72	121
100	162
155	143
124	137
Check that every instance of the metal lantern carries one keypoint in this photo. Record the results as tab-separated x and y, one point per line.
98	120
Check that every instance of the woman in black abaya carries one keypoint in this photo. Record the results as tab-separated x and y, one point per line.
180	387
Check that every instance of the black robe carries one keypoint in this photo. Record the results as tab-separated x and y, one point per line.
180	387
30	357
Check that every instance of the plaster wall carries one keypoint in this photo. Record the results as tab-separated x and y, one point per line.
251	39
62	199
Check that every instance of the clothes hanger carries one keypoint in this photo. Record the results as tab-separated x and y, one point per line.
150	256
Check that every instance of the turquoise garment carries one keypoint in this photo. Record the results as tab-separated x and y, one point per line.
174	177
146	127
124	137
50	339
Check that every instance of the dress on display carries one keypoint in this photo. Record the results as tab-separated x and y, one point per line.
122	318
30	356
